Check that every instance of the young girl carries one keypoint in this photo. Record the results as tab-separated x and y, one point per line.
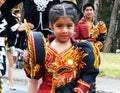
69	65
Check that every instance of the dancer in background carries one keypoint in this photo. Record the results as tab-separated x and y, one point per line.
10	38
92	30
12	54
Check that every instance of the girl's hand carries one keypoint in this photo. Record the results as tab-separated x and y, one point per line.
22	27
31	25
26	56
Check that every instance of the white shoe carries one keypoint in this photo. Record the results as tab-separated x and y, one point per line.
11	86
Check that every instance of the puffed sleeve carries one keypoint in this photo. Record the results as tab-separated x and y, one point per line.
89	72
102	34
38	70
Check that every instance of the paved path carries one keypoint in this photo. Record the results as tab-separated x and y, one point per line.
108	85
21	87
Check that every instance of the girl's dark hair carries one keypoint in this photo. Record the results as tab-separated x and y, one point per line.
80	14
88	5
63	9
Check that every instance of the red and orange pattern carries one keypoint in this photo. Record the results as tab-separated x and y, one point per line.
64	66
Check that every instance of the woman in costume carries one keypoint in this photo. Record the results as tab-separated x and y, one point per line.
10	44
68	66
92	30
89	28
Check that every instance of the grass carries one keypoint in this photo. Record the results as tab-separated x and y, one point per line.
110	65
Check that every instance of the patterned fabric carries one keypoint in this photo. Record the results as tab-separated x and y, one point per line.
95	35
3	25
63	65
2	57
62	72
5	31
41	5
36	47
31	8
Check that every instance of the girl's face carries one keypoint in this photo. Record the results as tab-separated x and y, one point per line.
63	29
89	12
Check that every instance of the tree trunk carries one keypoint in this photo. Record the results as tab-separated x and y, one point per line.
101	3
119	28
96	5
84	1
111	30
118	45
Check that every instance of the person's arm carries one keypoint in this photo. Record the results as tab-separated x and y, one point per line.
6	11
103	32
88	73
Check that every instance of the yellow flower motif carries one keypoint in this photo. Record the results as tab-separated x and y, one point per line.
70	62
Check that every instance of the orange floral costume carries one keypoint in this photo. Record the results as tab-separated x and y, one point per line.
68	71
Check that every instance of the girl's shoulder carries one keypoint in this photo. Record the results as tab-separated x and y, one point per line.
85	45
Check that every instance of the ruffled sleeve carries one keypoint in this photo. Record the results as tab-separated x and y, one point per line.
88	74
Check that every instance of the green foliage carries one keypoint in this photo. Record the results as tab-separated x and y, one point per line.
105	12
79	3
105	15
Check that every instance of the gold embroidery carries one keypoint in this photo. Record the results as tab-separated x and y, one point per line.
84	83
65	66
97	29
